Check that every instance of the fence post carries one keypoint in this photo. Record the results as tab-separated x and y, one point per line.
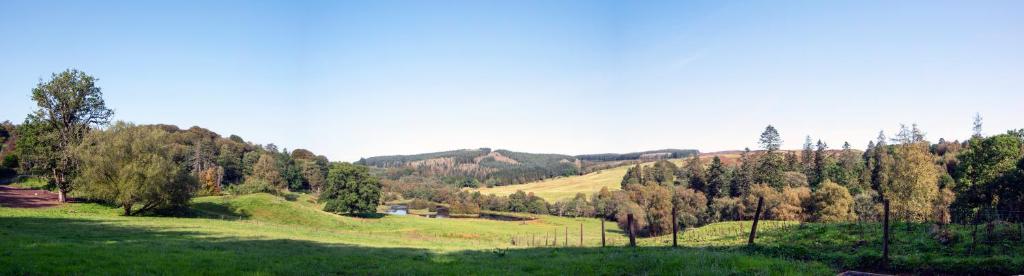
602	232
565	242
757	216
581	234
629	228
885	234
555	240
675	227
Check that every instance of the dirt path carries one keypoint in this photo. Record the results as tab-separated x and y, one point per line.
26	198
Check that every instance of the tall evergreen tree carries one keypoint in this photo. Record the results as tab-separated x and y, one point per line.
772	164
716	179
697	179
820	163
807	156
744	175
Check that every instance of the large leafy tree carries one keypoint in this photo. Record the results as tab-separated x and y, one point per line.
913	181
350	189
984	165
131	166
68	106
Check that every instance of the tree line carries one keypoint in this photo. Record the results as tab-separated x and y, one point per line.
923	181
70	141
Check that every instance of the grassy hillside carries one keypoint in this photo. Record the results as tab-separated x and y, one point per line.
270	235
563	188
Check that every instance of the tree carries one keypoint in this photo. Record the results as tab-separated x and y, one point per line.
913	181
771	166
807	156
696	175
350	189
770	140
656	203
744	175
717	179
851	167
210	180
663	172
634	175
69	104
983	165
266	169
832	203
312	174
691	206
866	206
128	165
820	163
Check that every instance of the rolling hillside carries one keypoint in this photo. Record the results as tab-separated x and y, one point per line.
264	234
486	167
564	188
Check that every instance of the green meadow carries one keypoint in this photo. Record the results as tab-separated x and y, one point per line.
265	234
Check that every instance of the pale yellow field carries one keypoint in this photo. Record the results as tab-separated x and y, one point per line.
565	188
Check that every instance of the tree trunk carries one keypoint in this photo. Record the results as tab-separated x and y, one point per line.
62	196
127	209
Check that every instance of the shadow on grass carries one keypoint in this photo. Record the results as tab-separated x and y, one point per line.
213	210
30	245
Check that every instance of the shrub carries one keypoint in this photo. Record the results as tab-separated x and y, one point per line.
691	207
252	186
726	208
832	203
792	204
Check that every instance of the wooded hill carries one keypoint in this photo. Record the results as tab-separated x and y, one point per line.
486	167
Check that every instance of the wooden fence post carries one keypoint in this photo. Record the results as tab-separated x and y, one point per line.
581	234
602	232
757	216
629	227
675	227
565	241
885	234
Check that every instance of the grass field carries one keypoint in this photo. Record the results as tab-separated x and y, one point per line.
565	188
265	234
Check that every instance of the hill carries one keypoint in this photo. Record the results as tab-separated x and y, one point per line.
563	188
264	234
486	167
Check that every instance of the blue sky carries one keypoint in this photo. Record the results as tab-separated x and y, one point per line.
356	79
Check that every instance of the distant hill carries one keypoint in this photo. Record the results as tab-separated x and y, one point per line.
486	167
642	156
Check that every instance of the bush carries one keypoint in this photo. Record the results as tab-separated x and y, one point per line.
252	186
832	203
726	208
